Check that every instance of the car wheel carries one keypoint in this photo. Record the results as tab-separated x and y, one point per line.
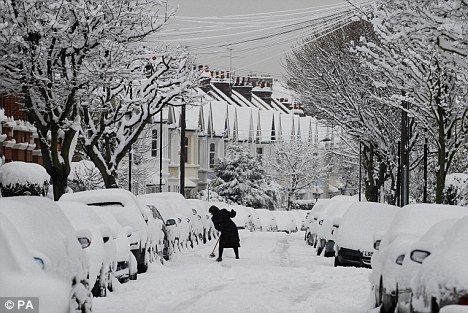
319	250
379	294
388	303
337	262
81	298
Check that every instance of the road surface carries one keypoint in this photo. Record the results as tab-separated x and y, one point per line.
276	273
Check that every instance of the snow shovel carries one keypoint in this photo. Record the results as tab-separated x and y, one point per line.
212	254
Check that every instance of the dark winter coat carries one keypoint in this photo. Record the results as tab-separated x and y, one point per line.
229	235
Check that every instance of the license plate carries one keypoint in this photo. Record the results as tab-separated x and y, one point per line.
366	253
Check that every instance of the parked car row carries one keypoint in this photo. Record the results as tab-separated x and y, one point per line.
417	253
85	243
265	220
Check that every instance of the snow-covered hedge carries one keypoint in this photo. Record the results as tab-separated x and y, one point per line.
456	185
23	179
302	204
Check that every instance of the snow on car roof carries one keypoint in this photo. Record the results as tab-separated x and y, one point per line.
361	222
121	203
164	206
445	269
178	202
416	219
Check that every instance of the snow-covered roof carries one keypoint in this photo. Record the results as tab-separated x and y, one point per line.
266	124
244	123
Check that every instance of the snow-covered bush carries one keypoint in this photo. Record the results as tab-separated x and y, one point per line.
84	175
211	196
23	179
455	187
302	204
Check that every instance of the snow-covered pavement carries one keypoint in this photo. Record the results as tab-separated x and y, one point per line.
276	273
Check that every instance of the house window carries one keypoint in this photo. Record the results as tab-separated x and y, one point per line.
259	153
212	154
186	150
154	143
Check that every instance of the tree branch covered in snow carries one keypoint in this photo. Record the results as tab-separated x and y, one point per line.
52	52
295	166
420	54
332	83
121	107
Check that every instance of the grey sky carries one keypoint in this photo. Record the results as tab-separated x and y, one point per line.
194	21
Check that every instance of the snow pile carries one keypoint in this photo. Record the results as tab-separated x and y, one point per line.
361	222
20	178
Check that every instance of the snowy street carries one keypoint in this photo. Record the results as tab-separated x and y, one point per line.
276	273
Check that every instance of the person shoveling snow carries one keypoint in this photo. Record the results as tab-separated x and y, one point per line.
229	235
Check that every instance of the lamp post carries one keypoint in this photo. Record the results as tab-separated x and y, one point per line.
360	170
183	157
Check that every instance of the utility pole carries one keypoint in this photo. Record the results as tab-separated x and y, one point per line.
130	161
425	170
160	150
183	157
360	170
404	152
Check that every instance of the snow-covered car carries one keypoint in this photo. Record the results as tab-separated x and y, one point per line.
409	224
188	226
126	209
267	219
354	244
243	218
198	229
285	221
312	221
91	233
300	218
443	277
202	210
166	251
125	262
255	218
155	233
51	240
414	257
328	226
168	214
22	274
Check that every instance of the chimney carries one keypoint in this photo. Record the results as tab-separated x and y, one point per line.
265	91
